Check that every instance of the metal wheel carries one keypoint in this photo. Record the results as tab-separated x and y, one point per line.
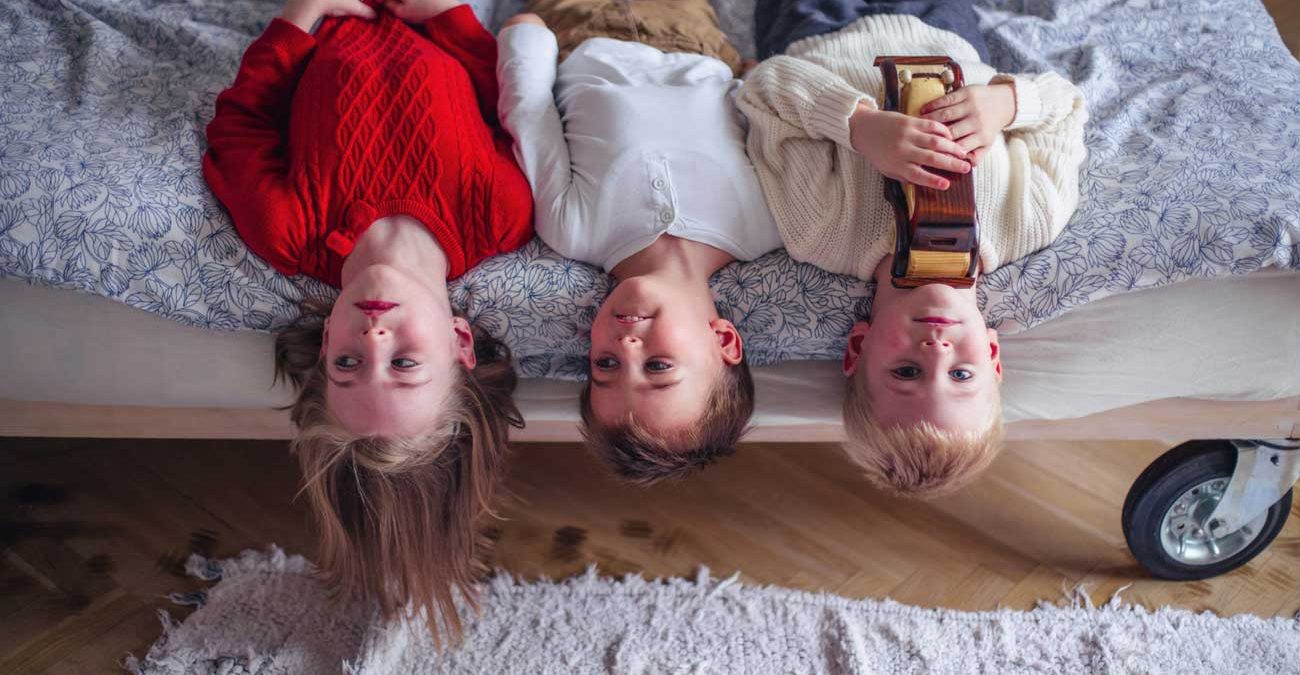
1166	515
1184	538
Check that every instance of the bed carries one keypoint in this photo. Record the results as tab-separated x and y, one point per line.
1168	309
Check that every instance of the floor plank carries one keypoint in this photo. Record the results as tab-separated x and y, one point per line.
95	532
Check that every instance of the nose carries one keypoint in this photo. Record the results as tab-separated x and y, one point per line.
935	345
629	340
375	333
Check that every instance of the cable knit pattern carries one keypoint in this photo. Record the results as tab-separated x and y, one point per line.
382	120
829	201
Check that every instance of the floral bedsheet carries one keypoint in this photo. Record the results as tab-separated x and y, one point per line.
1194	171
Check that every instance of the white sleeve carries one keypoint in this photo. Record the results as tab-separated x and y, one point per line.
526	72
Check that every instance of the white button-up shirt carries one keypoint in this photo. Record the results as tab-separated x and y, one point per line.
623	143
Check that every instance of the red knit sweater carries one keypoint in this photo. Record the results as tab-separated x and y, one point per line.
321	136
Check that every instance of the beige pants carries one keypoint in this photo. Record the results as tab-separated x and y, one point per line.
667	25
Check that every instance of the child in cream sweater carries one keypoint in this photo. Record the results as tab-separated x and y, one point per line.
922	411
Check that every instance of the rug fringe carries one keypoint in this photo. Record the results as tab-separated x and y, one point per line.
135	665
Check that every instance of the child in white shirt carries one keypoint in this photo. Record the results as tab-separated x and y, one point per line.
636	155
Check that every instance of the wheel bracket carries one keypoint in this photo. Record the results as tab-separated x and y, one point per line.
1265	471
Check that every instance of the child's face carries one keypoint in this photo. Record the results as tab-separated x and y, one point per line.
390	344
657	350
928	357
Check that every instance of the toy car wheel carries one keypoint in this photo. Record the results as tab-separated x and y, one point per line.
1166	512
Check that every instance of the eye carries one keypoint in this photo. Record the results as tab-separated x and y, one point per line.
404	363
906	372
346	362
658	366
961	374
606	363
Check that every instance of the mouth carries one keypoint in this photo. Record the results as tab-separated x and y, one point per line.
629	319
374	307
937	321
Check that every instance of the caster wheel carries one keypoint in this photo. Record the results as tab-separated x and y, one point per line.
1166	511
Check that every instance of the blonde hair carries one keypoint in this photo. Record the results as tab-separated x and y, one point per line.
919	460
397	517
642	457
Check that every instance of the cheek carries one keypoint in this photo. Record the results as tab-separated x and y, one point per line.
973	349
600	329
684	341
435	338
890	338
606	406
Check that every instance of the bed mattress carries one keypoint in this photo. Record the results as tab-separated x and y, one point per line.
1222	339
1194	172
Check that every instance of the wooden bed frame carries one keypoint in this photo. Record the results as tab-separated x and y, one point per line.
1168	419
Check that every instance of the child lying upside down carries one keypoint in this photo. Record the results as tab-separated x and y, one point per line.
922	412
368	155
636	156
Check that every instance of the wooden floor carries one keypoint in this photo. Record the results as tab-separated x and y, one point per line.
94	533
1286	13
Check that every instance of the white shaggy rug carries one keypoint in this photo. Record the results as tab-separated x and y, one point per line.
268	616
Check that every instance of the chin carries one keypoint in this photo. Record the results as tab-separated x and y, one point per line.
386	278
629	297
937	296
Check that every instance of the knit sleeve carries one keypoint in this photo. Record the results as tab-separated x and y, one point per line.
458	32
527	71
1046	147
799	165
246	163
1042	100
804	95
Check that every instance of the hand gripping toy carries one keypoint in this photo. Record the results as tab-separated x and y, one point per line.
937	231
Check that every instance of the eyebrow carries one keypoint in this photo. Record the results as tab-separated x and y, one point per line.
400	384
902	390
966	392
602	384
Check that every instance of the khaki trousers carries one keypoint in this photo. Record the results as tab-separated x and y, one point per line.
667	25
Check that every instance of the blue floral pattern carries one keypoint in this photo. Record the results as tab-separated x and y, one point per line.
1194	171
1193	163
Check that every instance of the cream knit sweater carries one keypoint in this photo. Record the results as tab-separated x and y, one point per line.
829	201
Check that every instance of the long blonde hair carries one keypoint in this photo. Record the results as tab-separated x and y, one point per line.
398	518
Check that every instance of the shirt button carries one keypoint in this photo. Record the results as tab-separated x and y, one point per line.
667	216
658	184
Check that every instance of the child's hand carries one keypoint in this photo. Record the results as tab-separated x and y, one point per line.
305	13
419	11
975	115
900	146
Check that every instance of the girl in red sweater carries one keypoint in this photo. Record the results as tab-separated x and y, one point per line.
368	155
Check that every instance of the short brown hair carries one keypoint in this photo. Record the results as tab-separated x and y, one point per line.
397	517
642	457
920	460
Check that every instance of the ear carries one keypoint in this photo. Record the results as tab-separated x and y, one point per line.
854	350
995	354
463	342
733	348
325	337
